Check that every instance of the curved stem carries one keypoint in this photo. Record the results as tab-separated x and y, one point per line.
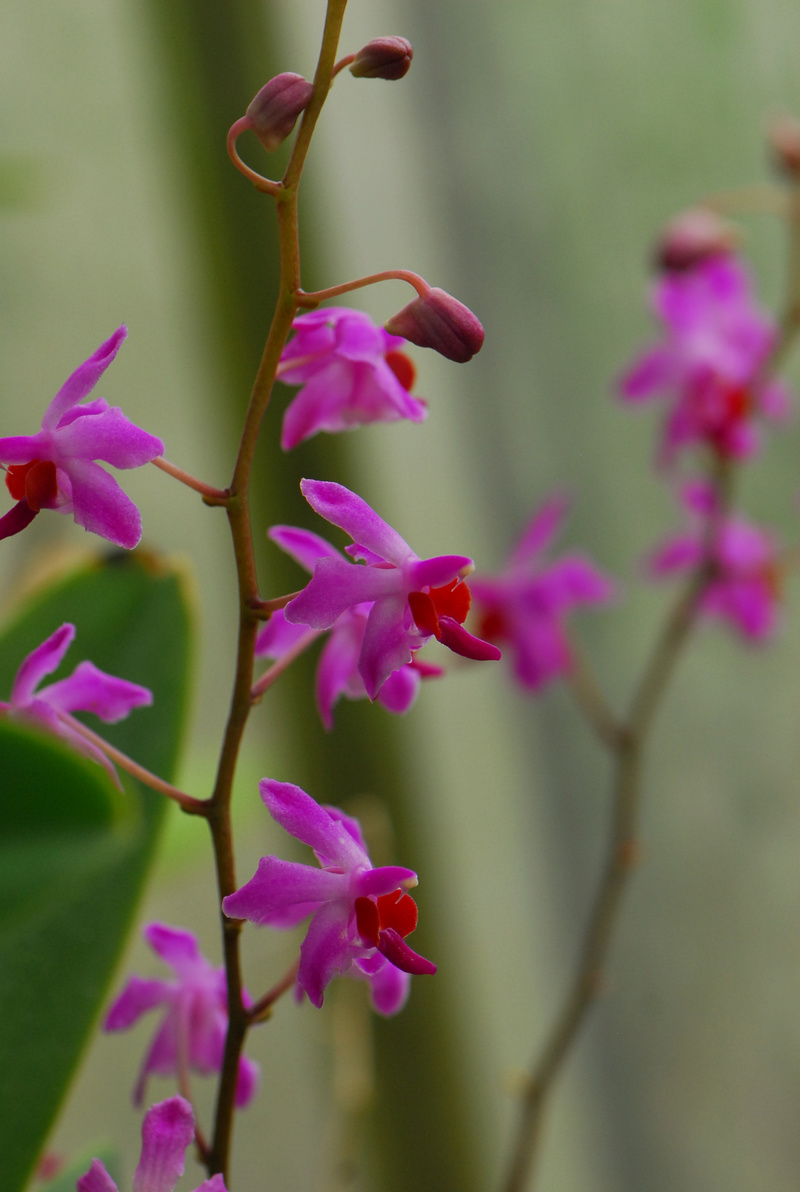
184	801
262	1008
237	507
265	185
211	495
347	287
263	684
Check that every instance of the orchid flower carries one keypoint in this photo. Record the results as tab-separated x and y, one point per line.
195	1021
361	915
351	372
411	599
87	689
745	584
167	1130
716	342
337	671
526	604
55	468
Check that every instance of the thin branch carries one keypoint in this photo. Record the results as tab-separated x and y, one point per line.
262	1008
211	495
590	699
186	802
347	287
276	670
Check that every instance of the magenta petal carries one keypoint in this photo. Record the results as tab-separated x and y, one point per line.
84	379
89	689
652	372
338	665
387	643
109	436
304	547
336	586
215	1184
18	518
279	885
176	947
389	989
457	639
350	513
138	996
678	554
278	636
400	690
100	505
40	662
396	950
167	1130
436	572
541	530
325	952
303	818
384	880
96	1179
247	1082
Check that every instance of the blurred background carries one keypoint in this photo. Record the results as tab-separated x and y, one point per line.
525	165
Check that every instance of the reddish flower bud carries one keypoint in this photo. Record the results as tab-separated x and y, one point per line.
694	236
784	140
441	322
383	58
273	113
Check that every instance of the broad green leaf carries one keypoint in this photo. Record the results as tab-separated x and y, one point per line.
74	851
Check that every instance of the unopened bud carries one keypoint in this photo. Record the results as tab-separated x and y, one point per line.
441	322
784	140
274	111
695	235
383	58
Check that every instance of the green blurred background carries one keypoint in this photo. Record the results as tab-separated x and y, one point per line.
525	164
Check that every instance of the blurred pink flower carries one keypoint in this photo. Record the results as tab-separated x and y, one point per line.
707	365
167	1130
55	469
87	689
361	915
195	1020
745	584
525	605
351	372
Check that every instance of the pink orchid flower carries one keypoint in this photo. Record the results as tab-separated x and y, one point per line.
715	343
55	469
526	604
337	671
745	586
361	915
167	1130
351	372
195	1022
87	689
412	599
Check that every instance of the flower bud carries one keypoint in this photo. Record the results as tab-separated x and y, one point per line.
383	58
784	141
439	321
274	111
695	235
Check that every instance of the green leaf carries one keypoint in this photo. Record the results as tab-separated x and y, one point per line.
74	851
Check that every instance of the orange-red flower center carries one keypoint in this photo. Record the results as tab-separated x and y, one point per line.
451	600
403	368
36	481
397	910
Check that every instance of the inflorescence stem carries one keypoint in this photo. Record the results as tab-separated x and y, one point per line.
237	507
